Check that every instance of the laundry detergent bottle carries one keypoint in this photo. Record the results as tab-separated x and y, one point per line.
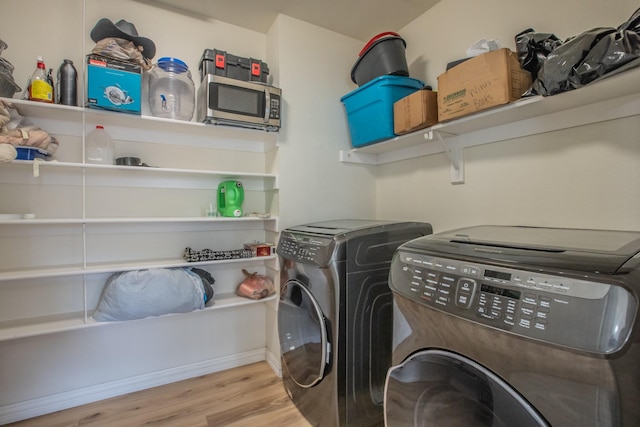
230	198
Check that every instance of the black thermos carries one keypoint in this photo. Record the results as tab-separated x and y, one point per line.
67	83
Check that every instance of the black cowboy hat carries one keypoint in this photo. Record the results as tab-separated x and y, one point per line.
124	30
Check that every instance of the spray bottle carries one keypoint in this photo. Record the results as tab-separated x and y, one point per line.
40	89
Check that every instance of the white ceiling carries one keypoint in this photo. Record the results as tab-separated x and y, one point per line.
360	19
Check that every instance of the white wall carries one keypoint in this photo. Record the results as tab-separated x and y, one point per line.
174	34
313	70
582	177
314	73
44	373
312	65
60	35
446	31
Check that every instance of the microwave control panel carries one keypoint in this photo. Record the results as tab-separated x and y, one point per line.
582	314
274	107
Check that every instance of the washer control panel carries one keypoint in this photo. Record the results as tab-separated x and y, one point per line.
305	248
584	314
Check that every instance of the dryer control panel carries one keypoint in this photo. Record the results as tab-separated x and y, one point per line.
587	315
305	248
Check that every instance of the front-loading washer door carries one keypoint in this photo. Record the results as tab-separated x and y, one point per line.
303	333
444	389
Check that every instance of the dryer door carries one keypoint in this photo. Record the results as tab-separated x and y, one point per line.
444	389
304	341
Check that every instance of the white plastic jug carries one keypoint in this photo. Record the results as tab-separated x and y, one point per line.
99	147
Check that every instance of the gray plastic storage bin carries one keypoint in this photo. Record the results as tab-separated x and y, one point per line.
383	55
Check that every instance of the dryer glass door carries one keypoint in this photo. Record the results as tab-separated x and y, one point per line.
439	388
302	328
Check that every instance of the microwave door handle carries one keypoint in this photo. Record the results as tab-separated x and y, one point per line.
267	101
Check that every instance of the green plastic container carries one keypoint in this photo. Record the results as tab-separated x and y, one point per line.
230	198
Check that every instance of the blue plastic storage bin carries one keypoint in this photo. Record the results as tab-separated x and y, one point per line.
370	108
30	153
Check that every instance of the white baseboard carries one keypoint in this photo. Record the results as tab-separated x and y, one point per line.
45	405
274	362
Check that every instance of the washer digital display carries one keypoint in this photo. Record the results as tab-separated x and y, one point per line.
500	291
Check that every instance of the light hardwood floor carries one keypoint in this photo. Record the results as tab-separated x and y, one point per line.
250	395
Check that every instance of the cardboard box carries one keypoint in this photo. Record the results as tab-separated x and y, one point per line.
416	111
261	249
113	85
485	81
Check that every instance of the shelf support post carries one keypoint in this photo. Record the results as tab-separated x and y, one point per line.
454	154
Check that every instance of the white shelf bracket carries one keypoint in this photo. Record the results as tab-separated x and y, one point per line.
454	153
349	156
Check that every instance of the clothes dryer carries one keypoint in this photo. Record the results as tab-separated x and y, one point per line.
516	326
335	317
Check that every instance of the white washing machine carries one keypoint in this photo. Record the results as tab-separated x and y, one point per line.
516	326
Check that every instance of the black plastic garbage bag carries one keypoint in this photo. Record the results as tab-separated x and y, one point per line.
588	56
611	52
633	24
533	49
557	73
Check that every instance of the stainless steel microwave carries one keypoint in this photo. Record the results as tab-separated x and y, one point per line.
226	101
